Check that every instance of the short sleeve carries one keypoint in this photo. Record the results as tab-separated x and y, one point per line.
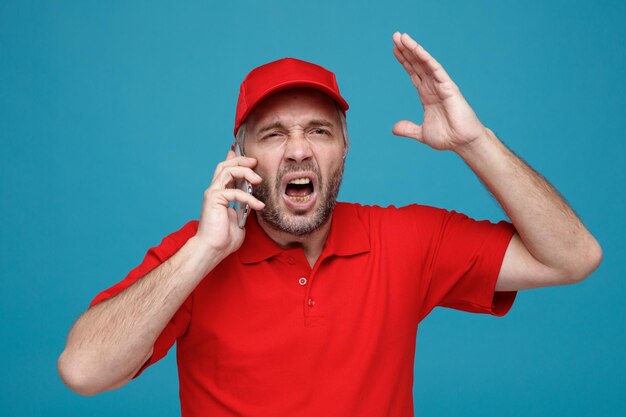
463	260
155	256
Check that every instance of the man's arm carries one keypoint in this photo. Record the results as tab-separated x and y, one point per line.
552	246
112	340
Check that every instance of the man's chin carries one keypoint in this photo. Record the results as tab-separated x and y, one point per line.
297	225
295	222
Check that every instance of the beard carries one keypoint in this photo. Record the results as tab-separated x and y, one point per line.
299	224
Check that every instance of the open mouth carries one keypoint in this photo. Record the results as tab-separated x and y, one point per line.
299	190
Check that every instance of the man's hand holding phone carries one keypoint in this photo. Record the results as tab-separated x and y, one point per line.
219	226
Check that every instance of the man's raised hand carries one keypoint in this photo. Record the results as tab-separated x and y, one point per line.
449	121
218	222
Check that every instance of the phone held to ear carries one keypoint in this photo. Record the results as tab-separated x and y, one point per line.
242	209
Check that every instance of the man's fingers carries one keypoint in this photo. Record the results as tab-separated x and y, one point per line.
405	56
228	175
415	77
420	56
234	161
411	50
409	56
407	129
233	194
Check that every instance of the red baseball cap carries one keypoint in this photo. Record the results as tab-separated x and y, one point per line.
280	75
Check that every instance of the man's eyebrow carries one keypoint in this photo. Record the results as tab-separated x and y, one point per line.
321	122
275	125
312	122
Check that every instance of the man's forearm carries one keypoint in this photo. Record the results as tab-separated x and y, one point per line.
549	228
112	340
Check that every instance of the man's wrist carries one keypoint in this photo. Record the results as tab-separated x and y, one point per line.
478	147
200	256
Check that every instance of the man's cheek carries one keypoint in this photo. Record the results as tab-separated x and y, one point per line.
264	191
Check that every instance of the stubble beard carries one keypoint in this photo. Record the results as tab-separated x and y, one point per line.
299	224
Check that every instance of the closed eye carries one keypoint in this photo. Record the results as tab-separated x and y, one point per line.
271	135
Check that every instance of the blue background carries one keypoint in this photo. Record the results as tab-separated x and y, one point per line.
114	114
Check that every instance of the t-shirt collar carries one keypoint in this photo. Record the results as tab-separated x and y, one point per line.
348	232
347	236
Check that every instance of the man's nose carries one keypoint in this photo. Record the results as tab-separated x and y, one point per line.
298	147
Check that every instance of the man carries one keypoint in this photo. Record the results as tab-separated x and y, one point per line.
313	308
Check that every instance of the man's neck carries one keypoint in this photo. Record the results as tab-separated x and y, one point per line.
312	244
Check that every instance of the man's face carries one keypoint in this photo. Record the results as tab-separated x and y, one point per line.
297	138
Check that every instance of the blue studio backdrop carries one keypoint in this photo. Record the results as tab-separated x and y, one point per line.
114	114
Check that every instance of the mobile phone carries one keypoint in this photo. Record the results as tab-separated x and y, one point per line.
242	209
